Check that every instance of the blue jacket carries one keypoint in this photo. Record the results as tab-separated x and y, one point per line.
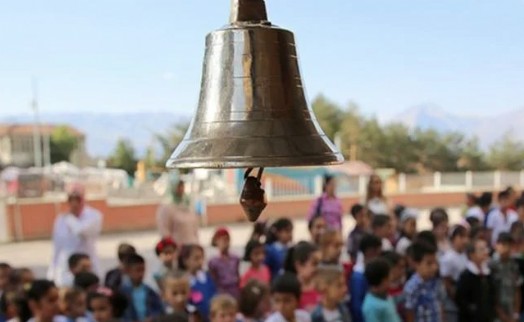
275	257
203	289
154	305
318	316
358	287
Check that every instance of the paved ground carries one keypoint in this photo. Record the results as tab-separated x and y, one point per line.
36	254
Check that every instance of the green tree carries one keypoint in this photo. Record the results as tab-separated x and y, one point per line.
472	158
169	141
506	154
62	144
329	115
123	157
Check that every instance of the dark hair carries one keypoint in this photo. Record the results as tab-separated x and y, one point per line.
438	216
172	317
250	296
426	236
377	271
300	253
471	248
504	238
287	283
11	297
5	266
117	300
505	194
473	222
398	210
133	259
124	250
259	230
420	249
392	257
475	231
85	280
250	247
279	225
38	290
458	230
368	242
15	278
379	221
75	259
472	197
185	253
311	222
327	179
356	209
520	202
485	199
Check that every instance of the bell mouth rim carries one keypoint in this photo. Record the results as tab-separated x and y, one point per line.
251	162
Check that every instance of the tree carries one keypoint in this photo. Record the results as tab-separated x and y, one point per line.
170	140
329	116
472	158
123	157
62	144
506	154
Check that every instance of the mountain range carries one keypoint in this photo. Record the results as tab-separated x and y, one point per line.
487	129
103	130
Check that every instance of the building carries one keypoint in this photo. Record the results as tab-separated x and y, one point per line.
17	146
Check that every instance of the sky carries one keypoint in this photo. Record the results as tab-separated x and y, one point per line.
466	56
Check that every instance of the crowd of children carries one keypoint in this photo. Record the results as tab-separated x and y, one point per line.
470	271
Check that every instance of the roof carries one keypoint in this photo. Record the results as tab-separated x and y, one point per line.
27	129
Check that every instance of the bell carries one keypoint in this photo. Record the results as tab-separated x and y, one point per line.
252	110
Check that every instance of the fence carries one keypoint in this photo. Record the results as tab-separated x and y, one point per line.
404	183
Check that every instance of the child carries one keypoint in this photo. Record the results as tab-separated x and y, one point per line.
331	283
277	243
106	305
254	303
224	268
5	271
21	277
500	220
224	308
316	226
86	281
361	217
475	289
259	231
165	250
177	294
331	245
42	303
302	260
203	288
397	265
370	248
440	221
423	289
408	230
255	254
382	228
506	275
9	306
74	305
144	303
378	305
113	278
285	293
78	263
452	264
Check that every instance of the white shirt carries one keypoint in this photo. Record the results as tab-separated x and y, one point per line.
452	264
499	223
386	245
300	316
71	235
475	212
378	206
332	315
402	245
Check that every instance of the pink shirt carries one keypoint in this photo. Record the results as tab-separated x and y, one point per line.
309	300
261	274
331	210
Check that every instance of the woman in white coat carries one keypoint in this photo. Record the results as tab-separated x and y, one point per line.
74	232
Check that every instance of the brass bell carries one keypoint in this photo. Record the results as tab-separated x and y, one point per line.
252	110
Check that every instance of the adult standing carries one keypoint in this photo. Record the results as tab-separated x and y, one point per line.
75	231
176	219
328	205
376	202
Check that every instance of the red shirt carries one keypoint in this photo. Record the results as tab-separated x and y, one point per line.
260	274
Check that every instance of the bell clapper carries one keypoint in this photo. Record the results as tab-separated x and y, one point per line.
253	197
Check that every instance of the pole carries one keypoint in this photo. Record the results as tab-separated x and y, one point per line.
37	141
